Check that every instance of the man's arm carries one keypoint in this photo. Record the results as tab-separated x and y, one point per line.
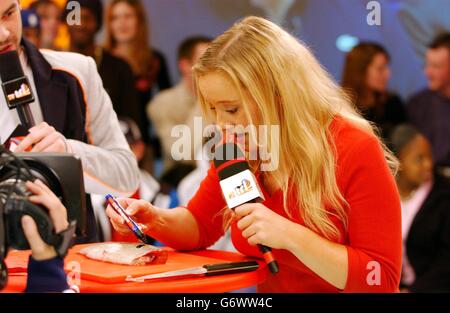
108	163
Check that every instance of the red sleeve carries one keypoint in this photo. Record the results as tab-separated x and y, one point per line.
207	206
374	220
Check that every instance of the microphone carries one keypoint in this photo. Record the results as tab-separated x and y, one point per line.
240	186
16	87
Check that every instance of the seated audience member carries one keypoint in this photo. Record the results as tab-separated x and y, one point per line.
178	105
366	76
429	110
425	200
116	74
50	19
31	26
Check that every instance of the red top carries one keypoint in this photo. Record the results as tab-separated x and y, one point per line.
374	220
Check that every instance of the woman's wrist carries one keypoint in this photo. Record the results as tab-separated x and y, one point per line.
294	237
156	223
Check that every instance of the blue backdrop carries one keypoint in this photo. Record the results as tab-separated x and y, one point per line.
406	27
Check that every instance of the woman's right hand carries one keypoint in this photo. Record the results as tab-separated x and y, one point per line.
141	211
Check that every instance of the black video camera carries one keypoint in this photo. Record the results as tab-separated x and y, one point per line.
62	173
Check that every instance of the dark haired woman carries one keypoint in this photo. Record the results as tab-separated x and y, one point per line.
366	75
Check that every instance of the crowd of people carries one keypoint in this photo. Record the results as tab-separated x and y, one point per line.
418	132
135	75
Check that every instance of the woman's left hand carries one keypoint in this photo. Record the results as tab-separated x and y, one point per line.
260	225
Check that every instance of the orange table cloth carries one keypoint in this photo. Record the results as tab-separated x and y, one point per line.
101	277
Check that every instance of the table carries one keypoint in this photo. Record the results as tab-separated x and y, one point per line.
17	264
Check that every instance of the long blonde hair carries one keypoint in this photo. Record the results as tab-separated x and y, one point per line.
292	90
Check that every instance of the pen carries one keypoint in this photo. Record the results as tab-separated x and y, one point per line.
132	225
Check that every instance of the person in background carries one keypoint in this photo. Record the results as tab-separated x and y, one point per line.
429	109
31	26
149	188
116	74
178	106
425	201
127	36
366	75
50	18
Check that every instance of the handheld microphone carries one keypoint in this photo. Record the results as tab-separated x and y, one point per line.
239	186
16	87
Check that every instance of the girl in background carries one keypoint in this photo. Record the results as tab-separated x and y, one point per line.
127	36
425	200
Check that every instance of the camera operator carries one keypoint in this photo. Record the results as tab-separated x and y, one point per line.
45	267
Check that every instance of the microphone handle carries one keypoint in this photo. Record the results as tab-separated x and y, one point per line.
267	253
25	116
269	258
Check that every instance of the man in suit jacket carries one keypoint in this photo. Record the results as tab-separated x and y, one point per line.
73	113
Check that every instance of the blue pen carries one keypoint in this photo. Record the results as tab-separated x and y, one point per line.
132	225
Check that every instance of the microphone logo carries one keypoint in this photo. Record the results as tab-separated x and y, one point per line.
23	91
243	188
240	188
17	92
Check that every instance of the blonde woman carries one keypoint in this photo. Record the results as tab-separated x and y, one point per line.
332	211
